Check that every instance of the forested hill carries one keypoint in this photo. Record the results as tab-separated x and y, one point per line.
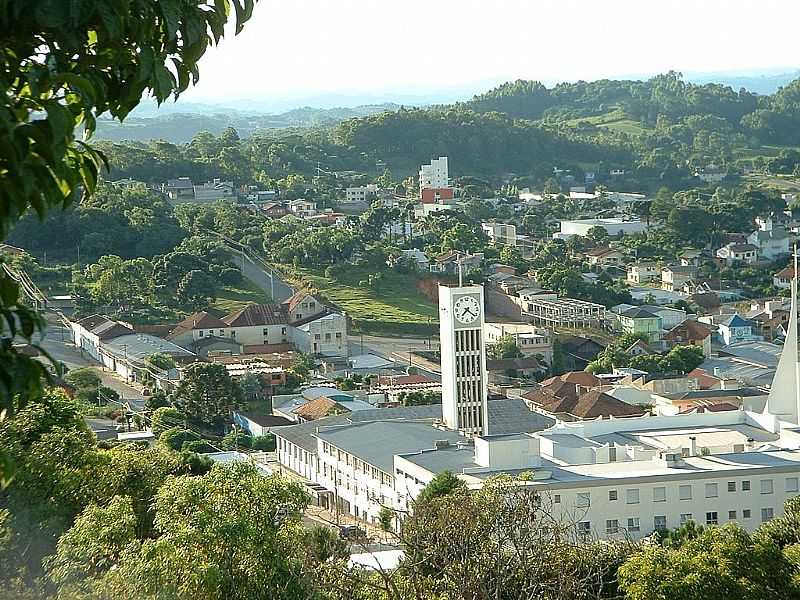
770	119
489	143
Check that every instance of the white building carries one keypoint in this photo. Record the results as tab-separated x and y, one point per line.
361	194
531	340
500	234
303	208
613	226
613	477
644	272
733	253
212	191
434	175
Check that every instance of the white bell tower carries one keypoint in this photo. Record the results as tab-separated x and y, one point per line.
464	383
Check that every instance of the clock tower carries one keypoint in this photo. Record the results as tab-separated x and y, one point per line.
464	384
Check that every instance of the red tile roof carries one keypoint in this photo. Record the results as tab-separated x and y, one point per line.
258	314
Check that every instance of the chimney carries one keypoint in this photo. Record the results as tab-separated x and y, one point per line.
692	445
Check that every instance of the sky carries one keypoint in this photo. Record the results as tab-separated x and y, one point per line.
300	49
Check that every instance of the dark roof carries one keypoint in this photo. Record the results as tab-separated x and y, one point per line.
576	377
210	340
103	327
582	346
508	415
318	408
295	299
689	330
639	312
258	314
504	364
597	403
266	420
199	320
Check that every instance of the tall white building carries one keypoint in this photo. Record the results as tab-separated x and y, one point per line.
435	174
463	350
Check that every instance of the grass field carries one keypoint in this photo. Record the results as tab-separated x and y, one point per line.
394	305
616	120
233	298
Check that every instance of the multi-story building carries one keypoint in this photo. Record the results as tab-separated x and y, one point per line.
531	340
360	194
434	182
613	226
674	277
643	272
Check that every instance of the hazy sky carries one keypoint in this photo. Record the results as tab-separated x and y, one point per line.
297	48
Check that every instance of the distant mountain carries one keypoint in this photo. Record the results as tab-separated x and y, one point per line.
758	83
181	127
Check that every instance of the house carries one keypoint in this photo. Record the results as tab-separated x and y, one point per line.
196	328
274	210
771	244
325	335
496	268
670	317
710	175
577	352
613	226
509	283
770	319
640	320
605	257
500	234
258	325
731	328
90	332
643	272
783	278
690	333
302	208
734	253
638	348
179	190
452	262
125	355
301	306
531	340
418	258
674	277
258	424
361	194
213	190
569	403
690	257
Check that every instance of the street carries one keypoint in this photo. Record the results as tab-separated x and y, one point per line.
279	291
396	349
57	342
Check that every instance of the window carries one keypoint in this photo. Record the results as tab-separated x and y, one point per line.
685	517
791	484
338	335
557	499
632	496
660	494
612	495
731	486
283	330
711	490
746	513
633	524
746	486
327	337
731	515
265	332
766	514
202	333
317	336
584	526
685	492
584	500
766	486
659	522
233	333
712	518
325	447
612	454
612	526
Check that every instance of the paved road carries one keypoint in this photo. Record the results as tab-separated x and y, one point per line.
397	349
280	291
58	343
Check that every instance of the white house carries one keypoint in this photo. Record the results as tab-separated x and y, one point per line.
213	191
90	332
531	340
773	243
325	335
738	253
643	272
302	208
360	194
613	226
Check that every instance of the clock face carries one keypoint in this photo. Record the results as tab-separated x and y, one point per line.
467	309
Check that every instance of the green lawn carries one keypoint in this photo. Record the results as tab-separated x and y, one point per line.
394	305
233	298
615	119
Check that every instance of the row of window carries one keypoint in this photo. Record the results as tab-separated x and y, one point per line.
766	486
660	521
357	464
317	336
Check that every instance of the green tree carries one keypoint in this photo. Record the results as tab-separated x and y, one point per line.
164	418
249	549
83	378
207	393
442	484
505	347
175	438
720	563
597	234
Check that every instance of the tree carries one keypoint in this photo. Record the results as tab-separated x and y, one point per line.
720	563
175	438
83	378
265	443
165	418
160	360
249	549
442	484
505	347
324	544
597	234
207	393
65	65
